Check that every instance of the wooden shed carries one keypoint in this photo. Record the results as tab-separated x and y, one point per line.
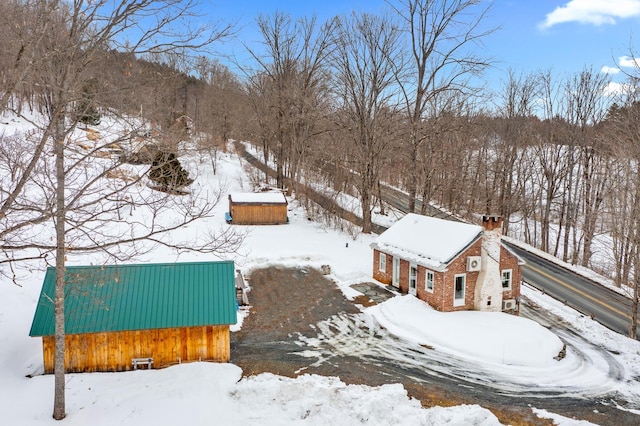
120	317
261	208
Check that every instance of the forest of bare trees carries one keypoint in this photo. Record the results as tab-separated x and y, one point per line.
356	102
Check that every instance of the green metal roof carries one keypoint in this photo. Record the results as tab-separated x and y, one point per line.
137	297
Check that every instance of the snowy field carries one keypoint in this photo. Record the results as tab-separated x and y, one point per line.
207	393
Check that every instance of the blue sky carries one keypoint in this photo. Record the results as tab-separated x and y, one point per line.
563	36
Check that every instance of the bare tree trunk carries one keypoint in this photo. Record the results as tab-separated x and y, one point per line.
635	297
380	199
570	219
280	165
413	173
571	245
59	386
561	222
365	199
635	303
596	186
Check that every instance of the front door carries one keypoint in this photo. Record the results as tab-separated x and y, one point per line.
459	285
413	279
395	280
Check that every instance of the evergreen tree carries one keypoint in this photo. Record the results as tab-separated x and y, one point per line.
87	111
167	172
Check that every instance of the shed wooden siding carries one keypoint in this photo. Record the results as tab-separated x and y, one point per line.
114	351
257	213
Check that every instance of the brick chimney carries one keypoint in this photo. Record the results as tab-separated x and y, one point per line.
488	293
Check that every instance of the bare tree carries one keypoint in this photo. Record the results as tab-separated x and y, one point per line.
224	100
554	158
514	128
441	36
587	106
574	167
621	204
71	192
366	50
446	151
218	105
293	80
259	126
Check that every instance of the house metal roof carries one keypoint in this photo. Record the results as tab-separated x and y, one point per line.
137	297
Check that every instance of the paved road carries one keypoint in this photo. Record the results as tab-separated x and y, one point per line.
607	307
399	200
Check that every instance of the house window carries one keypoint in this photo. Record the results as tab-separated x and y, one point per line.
428	281
382	263
506	279
459	289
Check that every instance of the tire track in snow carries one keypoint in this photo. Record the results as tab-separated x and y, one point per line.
587	371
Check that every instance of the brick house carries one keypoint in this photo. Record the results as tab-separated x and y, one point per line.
450	265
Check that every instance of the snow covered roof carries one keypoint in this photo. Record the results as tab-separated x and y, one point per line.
426	240
274	197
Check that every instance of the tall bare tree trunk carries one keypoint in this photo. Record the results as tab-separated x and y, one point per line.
59	391
380	199
633	330
635	297
413	172
365	199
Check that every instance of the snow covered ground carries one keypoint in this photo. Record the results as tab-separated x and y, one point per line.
206	393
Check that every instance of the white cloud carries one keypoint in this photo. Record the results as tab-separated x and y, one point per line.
614	89
629	62
596	12
609	70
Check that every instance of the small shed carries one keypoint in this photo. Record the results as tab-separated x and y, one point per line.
260	208
118	317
